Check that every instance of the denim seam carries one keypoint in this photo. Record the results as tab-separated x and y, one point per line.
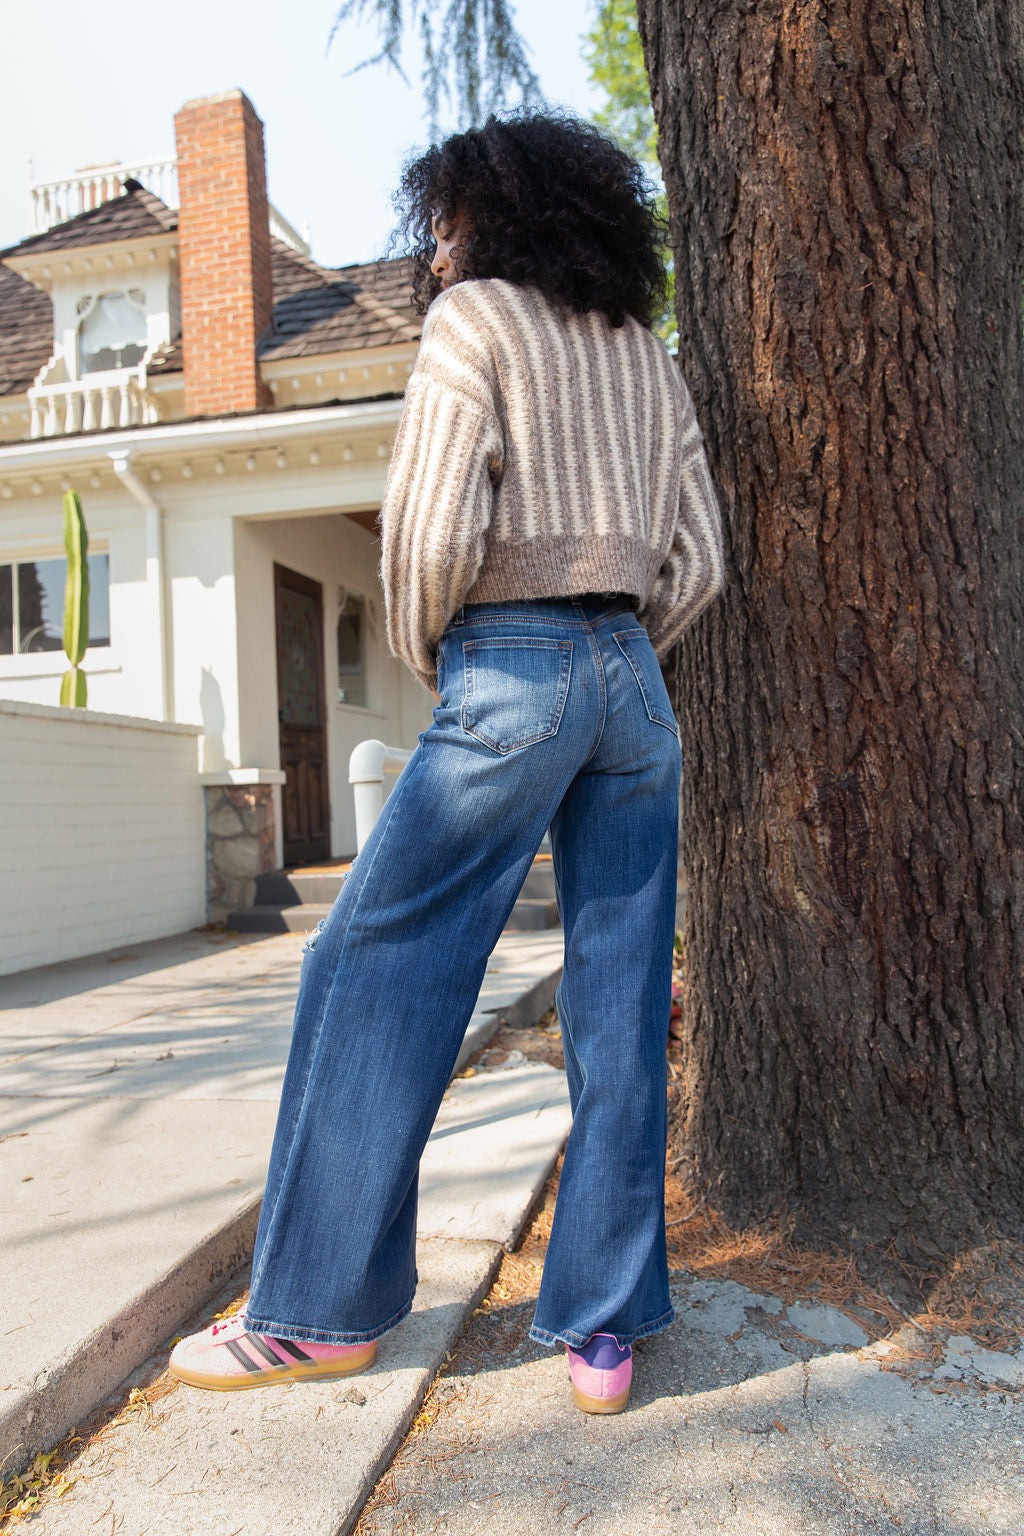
577	1340
534	618
602	694
323	1335
523	618
566	1024
637	634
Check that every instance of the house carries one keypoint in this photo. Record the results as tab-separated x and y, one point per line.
225	408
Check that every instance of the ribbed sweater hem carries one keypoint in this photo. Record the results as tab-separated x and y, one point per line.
563	566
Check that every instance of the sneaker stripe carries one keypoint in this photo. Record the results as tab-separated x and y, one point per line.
261	1347
241	1356
292	1348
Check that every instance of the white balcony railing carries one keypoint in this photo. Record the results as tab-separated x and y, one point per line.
54	202
116	398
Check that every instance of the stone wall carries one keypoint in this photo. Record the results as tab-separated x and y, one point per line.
239	846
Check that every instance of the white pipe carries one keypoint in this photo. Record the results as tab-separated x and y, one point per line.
367	765
154	572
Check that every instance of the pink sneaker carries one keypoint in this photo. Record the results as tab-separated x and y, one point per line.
227	1358
601	1373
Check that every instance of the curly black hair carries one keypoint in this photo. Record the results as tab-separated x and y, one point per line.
553	204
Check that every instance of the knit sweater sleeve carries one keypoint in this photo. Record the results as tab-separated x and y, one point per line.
691	574
448	457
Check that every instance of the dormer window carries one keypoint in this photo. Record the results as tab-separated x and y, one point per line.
112	333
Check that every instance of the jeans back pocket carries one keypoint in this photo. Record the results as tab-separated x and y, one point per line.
636	646
516	687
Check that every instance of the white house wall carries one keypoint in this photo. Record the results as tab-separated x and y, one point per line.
103	831
120	676
200	560
210	683
229	501
338	553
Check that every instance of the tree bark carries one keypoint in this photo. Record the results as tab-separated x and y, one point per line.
845	183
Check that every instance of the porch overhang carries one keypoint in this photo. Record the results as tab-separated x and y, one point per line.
266	429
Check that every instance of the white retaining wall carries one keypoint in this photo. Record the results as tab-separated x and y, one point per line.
102	832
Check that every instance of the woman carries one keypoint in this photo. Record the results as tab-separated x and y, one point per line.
548	529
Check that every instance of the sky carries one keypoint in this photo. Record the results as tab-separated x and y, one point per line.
83	84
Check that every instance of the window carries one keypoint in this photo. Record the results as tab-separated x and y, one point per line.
351	649
32	605
113	332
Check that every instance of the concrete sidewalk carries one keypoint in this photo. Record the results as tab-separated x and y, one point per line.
748	1417
139	1091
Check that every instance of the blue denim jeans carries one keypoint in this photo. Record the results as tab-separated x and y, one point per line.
553	714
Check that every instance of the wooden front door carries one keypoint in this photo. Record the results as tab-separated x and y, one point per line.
302	719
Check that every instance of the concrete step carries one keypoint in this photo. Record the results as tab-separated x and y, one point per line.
296	1460
540	880
140	1098
528	915
532	912
273	919
292	887
294	901
304	1458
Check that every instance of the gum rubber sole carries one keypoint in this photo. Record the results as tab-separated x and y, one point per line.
600	1404
316	1370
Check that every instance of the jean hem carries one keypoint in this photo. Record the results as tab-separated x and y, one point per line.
324	1335
577	1340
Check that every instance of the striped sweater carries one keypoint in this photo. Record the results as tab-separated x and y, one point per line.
542	453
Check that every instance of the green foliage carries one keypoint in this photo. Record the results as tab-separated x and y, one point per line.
473	48
22	1494
616	61
73	689
76	602
471	44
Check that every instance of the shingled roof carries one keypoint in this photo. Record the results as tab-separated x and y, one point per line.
26	331
320	309
317	310
134	216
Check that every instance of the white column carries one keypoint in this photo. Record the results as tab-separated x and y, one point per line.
155	582
155	576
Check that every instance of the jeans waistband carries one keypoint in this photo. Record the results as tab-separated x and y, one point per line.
591	604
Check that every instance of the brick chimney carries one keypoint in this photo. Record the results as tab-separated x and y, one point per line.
224	240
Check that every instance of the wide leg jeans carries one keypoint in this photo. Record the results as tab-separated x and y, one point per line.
553	714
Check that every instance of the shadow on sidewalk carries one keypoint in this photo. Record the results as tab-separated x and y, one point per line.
51	983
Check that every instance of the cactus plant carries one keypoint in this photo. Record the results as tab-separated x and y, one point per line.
76	602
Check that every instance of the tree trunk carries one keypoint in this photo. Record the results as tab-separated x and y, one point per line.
845	180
